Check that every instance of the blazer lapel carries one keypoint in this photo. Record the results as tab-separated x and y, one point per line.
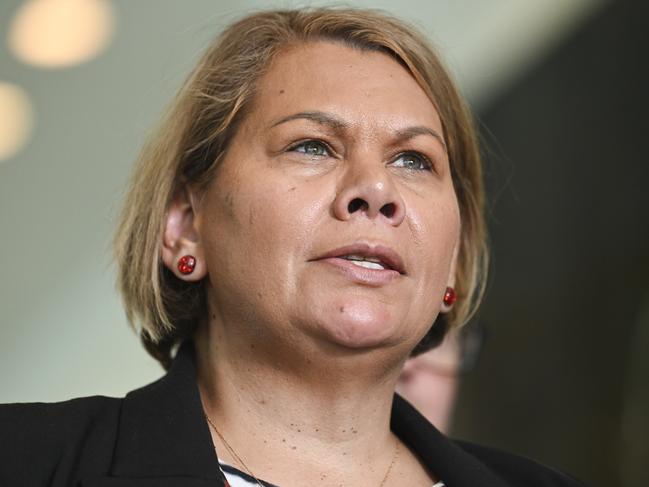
163	438
442	456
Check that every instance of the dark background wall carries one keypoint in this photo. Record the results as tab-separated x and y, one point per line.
563	377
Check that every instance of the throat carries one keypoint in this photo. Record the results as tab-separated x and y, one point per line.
271	423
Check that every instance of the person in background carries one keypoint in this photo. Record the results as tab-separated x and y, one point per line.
430	381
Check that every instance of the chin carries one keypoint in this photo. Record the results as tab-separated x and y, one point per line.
358	324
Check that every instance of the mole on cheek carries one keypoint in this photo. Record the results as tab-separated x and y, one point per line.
228	200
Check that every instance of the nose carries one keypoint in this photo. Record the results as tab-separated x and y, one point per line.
367	189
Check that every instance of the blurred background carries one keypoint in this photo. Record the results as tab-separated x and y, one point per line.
559	88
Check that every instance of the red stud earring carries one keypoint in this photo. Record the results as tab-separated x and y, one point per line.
449	296
186	264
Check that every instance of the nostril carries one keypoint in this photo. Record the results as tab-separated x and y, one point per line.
388	210
357	204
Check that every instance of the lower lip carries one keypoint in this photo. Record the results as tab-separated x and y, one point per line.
362	275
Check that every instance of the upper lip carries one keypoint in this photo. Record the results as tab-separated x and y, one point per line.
388	257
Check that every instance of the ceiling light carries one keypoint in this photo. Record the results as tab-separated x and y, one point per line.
60	33
16	119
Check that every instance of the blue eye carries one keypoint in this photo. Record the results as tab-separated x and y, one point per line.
413	161
311	148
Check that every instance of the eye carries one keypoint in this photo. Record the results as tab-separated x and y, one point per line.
312	148
413	161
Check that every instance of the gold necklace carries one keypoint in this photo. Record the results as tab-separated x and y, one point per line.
394	458
395	455
232	452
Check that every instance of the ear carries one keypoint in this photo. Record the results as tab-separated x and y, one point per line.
180	236
450	282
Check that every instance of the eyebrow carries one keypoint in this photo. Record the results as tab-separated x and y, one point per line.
338	125
411	132
322	118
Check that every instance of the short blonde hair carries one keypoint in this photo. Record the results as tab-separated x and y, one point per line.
193	137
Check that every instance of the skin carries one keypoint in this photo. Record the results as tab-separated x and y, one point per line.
297	362
430	381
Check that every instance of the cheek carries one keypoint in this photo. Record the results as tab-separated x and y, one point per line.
246	231
261	227
285	217
435	228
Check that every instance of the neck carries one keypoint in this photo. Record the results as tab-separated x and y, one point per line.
295	419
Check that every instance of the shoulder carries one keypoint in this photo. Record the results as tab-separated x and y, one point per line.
54	443
517	470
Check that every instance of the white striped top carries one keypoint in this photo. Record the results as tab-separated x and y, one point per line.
237	478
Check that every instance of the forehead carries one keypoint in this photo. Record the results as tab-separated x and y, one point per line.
361	86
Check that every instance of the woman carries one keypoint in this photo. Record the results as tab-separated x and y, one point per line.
310	204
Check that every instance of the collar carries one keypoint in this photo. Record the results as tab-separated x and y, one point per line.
164	440
443	457
163	434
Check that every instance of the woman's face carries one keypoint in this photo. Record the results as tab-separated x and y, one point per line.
341	158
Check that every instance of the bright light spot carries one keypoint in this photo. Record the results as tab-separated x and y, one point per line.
15	119
60	33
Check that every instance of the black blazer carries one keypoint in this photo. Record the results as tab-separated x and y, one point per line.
157	436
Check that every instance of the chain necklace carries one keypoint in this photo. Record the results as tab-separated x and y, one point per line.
394	459
249	472
232	452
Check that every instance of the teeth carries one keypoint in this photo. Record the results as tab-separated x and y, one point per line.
353	257
361	257
364	261
367	264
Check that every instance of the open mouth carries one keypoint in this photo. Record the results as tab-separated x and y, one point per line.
366	262
375	257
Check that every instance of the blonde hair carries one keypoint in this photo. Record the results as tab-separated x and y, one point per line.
193	137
